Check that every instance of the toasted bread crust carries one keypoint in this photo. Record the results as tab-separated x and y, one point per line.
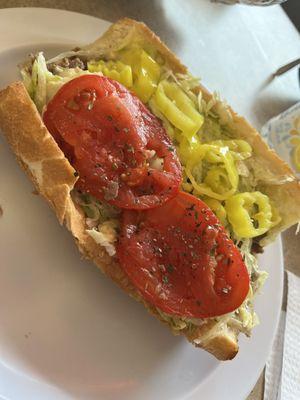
53	176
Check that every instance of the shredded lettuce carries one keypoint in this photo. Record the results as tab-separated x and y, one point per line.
245	317
186	82
101	220
95	210
258	277
40	75
207	107
42	84
28	81
180	323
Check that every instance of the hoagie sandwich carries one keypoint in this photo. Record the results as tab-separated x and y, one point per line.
162	185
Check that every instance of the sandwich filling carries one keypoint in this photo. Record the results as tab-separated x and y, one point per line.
217	168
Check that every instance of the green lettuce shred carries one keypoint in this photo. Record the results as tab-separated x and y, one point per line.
42	84
95	210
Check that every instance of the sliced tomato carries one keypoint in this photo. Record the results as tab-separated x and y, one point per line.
111	139
181	260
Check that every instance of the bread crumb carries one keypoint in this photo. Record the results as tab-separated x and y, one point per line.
1	211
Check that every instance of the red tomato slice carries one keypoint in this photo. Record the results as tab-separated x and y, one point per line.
181	260
110	138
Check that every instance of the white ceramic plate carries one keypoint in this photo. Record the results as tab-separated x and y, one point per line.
66	332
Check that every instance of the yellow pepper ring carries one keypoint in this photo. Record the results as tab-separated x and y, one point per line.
223	155
239	213
217	179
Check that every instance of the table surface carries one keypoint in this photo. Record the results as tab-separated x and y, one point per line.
234	49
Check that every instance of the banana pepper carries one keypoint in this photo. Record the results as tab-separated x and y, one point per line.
146	72
178	108
249	213
188	148
113	69
221	181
